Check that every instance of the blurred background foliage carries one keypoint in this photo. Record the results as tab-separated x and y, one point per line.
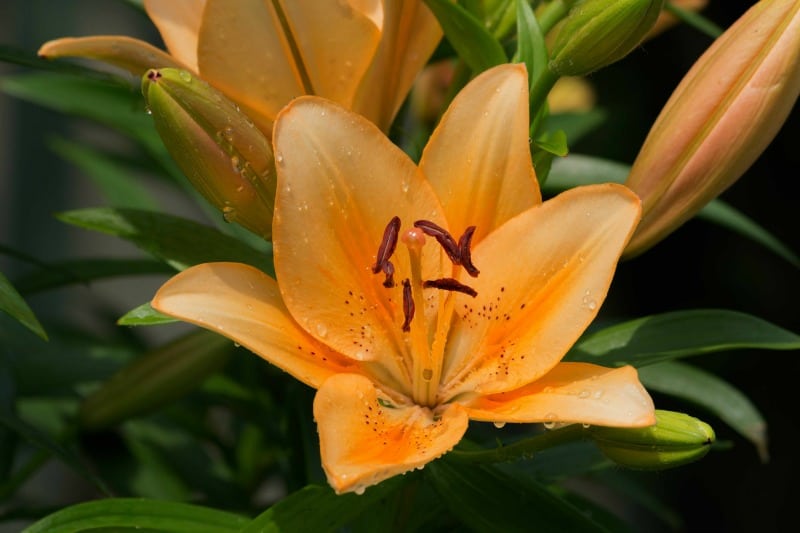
700	266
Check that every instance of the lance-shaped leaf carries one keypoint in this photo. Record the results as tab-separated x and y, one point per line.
155	379
596	33
226	158
13	304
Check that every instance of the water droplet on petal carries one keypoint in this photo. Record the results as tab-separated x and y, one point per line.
228	213
185	76
322	330
499	425
598	394
427	374
550	420
585	393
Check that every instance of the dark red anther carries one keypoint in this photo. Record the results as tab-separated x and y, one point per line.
388	269
465	253
408	305
450	284
388	244
443	237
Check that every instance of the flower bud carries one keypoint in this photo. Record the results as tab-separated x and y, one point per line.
674	440
223	154
719	119
155	379
596	33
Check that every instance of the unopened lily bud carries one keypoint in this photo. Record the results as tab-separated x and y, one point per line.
674	440
224	155
724	113
596	33
155	379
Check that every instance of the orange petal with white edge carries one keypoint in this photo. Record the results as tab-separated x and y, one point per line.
340	182
178	22
366	438
243	51
336	42
478	158
572	393
127	53
544	275
409	35
244	304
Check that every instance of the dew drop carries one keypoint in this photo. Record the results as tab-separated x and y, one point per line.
598	394
585	393
237	345
586	426
279	159
322	330
148	110
360	490
499	425
228	213
427	374
550	420
185	76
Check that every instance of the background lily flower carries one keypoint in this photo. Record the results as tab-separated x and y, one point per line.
261	54
406	329
724	113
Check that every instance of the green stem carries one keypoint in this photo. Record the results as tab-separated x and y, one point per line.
521	449
538	97
551	14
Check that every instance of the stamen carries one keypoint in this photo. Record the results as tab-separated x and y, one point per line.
465	253
408	305
388	269
388	244
450	284
446	241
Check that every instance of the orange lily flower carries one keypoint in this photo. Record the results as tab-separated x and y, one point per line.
363	54
406	329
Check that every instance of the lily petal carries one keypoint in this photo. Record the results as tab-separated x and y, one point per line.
410	33
127	53
544	275
365	438
178	22
340	181
336	42
479	155
573	393
242	47
244	304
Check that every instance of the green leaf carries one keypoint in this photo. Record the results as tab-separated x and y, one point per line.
144	315
19	56
554	143
486	499
46	443
84	271
12	303
318	508
132	513
658	338
531	48
473	43
577	170
156	378
711	392
115	104
576	125
726	216
177	241
120	187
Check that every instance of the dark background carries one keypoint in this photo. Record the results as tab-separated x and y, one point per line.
699	266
